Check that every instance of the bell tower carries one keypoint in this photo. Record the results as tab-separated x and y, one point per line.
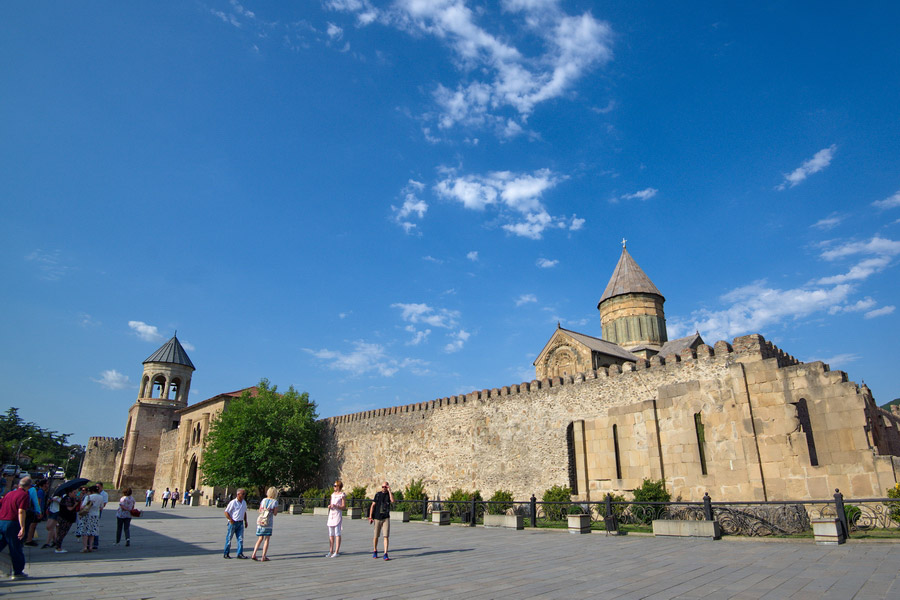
631	309
165	384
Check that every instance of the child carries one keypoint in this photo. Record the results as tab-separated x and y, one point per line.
335	516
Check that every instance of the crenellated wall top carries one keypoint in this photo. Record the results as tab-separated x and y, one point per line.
752	347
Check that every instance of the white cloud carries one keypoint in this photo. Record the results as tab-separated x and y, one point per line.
413	206
644	194
418	336
525	299
459	339
422	313
187	345
500	85
880	312
516	196
365	357
473	256
334	32
819	161
829	222
889	202
880	251
755	307
148	333
546	263
837	360
113	380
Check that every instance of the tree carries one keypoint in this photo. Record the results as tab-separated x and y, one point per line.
270	439
45	447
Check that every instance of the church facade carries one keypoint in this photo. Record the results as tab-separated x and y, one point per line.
740	420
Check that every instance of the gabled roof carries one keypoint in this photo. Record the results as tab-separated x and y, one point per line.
676	346
595	344
628	278
171	352
227	395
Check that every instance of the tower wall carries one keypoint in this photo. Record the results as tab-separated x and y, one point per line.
100	458
147	420
633	319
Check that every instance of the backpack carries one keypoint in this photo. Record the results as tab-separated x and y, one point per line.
86	507
265	515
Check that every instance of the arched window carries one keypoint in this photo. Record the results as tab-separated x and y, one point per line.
145	381
159	387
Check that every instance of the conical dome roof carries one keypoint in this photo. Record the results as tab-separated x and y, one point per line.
628	278
171	352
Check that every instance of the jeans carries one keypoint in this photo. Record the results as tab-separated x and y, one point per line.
9	536
120	523
235	529
148	501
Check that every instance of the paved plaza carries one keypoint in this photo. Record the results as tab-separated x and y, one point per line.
177	553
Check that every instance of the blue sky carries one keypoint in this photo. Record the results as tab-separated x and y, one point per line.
390	202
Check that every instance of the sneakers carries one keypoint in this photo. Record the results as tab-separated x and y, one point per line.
18	576
127	542
375	555
334	555
45	546
329	555
226	556
60	551
31	543
386	557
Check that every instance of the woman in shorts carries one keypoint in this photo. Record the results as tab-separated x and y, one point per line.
335	518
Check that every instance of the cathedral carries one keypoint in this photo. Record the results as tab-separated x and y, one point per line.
740	420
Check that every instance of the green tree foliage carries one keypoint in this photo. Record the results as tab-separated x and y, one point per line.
43	446
557	512
650	491
270	439
501	502
458	496
357	498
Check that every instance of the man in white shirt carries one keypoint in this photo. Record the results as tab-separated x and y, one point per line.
149	497
236	513
105	496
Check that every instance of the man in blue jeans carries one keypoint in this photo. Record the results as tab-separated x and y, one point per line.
236	513
13	509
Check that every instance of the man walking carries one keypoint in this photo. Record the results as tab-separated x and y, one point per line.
13	509
166	495
236	513
380	514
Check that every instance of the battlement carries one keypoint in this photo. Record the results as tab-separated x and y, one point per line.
752	346
104	440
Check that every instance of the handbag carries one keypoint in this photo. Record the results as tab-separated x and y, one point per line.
85	508
265	516
135	512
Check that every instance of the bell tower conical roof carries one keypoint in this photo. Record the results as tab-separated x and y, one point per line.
628	278
171	352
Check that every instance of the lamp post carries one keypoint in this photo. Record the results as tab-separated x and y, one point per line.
19	449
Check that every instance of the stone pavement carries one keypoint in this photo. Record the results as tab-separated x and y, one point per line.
177	553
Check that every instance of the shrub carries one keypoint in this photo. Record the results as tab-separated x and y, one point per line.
894	507
617	509
357	497
650	491
412	495
853	513
313	496
557	512
506	502
456	496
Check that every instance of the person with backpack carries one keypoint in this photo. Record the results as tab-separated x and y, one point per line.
268	508
380	514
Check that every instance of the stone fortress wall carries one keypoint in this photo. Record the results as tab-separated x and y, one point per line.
527	437
102	454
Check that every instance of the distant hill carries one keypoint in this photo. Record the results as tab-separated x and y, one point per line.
891	403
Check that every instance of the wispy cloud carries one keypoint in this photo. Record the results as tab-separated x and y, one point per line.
517	197
500	85
546	263
473	256
422	313
644	194
50	264
113	380
880	312
829	222
837	360
148	333
889	202
878	254
526	299
819	161
413	206
366	357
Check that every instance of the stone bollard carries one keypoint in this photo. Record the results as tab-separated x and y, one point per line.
440	517
579	523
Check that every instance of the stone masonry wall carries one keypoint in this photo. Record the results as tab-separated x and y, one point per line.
100	458
511	438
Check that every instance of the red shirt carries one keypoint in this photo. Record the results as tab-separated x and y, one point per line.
12	502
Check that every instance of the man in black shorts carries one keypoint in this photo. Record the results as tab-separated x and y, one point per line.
380	514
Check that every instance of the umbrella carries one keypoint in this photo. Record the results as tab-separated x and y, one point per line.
65	488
